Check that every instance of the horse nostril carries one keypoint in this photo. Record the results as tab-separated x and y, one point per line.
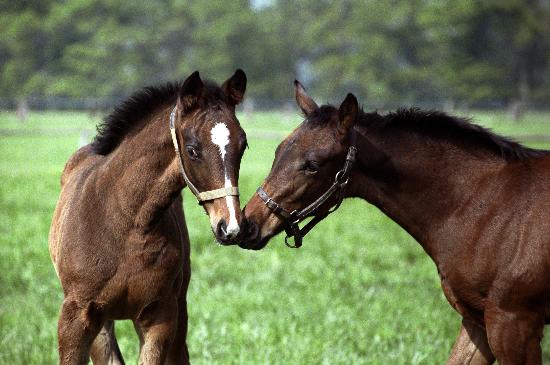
251	229
221	230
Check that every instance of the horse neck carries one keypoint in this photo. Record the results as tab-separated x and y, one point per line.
420	183
143	173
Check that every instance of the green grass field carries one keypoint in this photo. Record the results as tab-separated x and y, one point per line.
360	290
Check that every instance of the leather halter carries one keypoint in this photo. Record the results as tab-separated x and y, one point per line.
292	219
201	196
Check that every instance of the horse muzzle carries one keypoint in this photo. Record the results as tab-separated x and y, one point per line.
251	238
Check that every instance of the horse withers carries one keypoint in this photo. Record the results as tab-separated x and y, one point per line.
478	203
118	238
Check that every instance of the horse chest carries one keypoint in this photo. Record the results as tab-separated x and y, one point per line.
151	271
466	302
160	257
156	253
450	295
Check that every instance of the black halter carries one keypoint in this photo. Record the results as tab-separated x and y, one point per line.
292	219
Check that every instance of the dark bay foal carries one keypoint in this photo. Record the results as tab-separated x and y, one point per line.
479	205
118	238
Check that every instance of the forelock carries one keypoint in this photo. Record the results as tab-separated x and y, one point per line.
321	116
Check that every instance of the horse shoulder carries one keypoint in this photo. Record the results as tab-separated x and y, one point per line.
524	268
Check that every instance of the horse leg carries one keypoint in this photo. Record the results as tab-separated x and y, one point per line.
78	325
514	336
471	347
178	351
156	326
105	350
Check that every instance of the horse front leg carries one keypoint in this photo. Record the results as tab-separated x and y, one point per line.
514	336
79	323
471	346
157	326
105	350
178	351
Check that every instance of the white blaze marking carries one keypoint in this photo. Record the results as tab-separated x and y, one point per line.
220	137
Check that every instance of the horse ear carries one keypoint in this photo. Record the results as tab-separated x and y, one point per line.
348	114
190	91
235	87
304	101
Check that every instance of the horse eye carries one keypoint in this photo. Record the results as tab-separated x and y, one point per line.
192	152
311	167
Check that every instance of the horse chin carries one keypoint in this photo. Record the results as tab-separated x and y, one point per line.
256	244
256	237
225	242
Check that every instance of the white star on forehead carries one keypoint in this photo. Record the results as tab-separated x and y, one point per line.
220	137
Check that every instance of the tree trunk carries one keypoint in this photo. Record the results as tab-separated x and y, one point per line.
22	110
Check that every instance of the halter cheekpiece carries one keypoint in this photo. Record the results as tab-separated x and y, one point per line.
205	195
292	219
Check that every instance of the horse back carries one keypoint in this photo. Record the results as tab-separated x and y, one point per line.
76	159
80	162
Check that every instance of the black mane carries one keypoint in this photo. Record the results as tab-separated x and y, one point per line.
441	125
129	113
438	125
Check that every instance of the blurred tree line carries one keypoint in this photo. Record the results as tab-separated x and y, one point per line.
455	51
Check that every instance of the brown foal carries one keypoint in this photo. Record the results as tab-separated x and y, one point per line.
479	205
118	238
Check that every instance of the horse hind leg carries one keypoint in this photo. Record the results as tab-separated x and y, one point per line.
471	347
105	350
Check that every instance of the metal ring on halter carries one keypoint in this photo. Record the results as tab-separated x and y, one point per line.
339	175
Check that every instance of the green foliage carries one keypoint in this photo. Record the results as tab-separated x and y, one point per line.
398	51
360	290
